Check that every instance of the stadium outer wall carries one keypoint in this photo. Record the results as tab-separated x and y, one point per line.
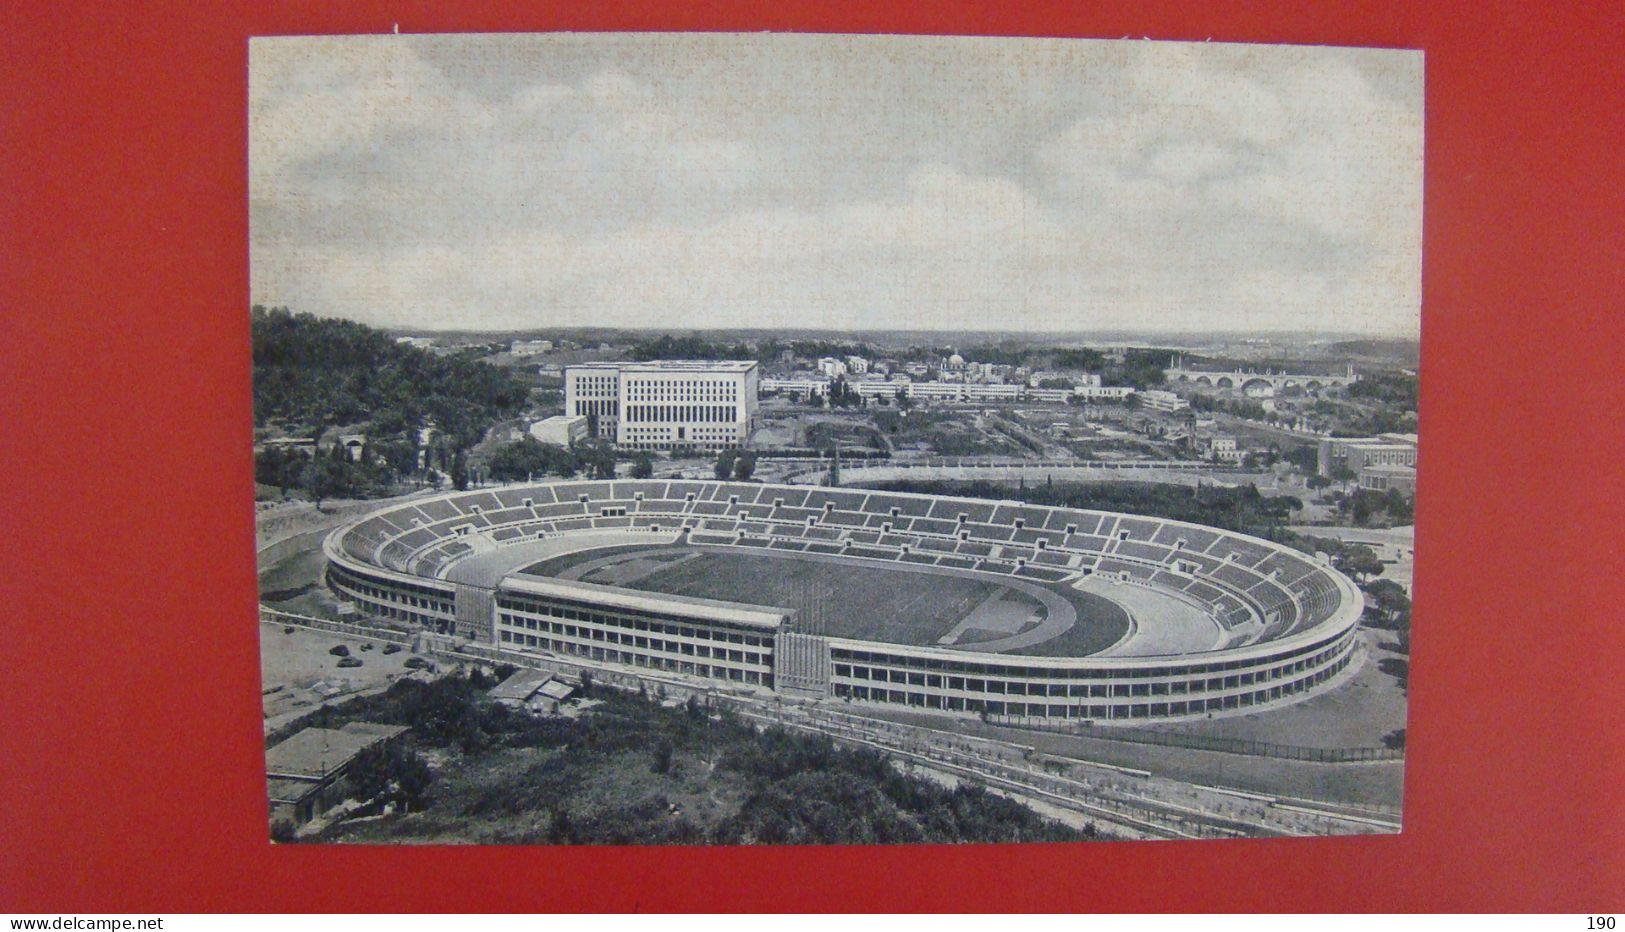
395	562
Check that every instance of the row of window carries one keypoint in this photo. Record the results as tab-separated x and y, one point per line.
610	655
858	675
692	414
1118	710
590	408
382	607
712	390
585	633
515	606
360	588
1309	655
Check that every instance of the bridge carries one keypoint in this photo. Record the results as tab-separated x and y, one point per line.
1253	381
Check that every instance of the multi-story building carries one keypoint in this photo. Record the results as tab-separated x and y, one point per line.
1163	401
962	391
1222	447
878	388
1062	395
665	404
1382	478
800	387
857	365
1098	392
832	367
1356	453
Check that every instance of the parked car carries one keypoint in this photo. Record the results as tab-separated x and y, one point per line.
392	648
339	650
350	662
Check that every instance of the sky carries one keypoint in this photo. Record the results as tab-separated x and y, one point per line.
693	181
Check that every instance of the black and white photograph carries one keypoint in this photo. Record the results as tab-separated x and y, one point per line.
733	439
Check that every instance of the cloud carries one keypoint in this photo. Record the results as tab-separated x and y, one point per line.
525	181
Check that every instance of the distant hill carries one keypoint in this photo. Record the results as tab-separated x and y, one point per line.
1403	352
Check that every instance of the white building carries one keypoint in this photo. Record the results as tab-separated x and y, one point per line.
878	388
666	404
419	342
799	387
530	347
1103	392
561	429
962	391
832	367
1062	395
1158	400
936	391
857	365
1222	447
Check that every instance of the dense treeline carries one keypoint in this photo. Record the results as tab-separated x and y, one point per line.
1242	509
795	788
529	458
806	790
667	346
1141	368
1398	390
312	373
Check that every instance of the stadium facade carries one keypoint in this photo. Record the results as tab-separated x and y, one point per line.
453	563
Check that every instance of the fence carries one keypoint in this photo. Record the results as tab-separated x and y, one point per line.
1211	743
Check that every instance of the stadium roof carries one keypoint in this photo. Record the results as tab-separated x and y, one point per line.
616	597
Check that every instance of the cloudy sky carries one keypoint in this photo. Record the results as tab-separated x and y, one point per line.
677	181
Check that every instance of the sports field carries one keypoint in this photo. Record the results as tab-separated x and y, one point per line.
844	598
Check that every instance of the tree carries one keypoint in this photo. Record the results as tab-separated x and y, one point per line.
459	471
1359	562
390	773
643	467
1392	604
725	463
834	465
744	465
529	457
327	476
662	757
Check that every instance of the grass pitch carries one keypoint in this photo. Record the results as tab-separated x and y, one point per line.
846	598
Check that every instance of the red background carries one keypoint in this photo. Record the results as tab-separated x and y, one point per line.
130	756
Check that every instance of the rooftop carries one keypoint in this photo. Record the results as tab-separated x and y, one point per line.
318	752
520	686
674	365
616	597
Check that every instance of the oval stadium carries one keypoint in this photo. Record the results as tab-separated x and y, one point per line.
1021	613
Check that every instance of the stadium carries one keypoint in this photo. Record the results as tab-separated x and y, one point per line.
1020	613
